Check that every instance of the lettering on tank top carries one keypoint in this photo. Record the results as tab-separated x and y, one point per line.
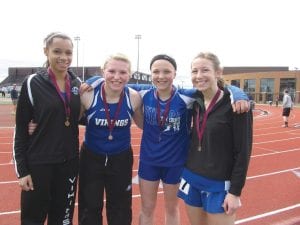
104	123
172	121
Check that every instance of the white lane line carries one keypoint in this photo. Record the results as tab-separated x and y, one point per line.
297	173
6	164
267	214
278	140
275	152
237	222
9	212
135	180
273	173
9	182
267	134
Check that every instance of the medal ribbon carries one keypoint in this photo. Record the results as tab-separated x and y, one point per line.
161	122
67	90
200	127
111	123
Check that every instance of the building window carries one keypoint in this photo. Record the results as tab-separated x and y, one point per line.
267	85
249	88
289	84
267	89
235	83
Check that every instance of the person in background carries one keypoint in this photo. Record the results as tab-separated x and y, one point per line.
14	97
3	90
220	149
106	156
287	105
165	139
47	161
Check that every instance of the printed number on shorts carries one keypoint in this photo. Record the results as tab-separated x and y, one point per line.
184	186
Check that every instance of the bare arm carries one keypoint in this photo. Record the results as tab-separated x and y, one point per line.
86	99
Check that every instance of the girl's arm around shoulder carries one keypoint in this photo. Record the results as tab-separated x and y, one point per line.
190	92
239	99
136	102
86	99
140	87
91	83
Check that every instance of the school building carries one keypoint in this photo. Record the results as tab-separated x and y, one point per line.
265	84
262	84
16	75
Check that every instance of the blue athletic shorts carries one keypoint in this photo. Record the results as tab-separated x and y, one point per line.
202	192
168	175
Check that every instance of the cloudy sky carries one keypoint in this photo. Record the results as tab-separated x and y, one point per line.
240	32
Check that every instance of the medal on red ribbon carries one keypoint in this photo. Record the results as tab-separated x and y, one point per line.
200	127
161	120
111	122
66	99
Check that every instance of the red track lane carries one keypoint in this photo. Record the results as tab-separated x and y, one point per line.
265	194
288	217
274	162
7	173
277	137
271	195
276	146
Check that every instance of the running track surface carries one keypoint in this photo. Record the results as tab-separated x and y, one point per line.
271	195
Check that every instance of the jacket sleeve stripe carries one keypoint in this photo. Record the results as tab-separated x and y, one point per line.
29	88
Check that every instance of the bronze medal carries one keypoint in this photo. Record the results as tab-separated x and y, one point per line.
201	124
67	123
65	98
111	122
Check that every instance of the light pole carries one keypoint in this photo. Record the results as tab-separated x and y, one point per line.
77	39
82	53
296	96
138	37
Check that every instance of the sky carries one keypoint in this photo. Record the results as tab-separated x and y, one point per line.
239	32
